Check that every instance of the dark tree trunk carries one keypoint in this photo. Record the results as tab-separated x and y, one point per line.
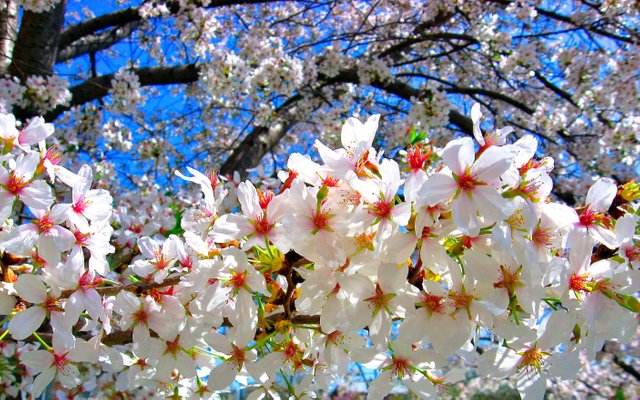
8	34
36	48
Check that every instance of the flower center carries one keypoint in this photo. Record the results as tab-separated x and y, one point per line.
320	221
16	184
45	224
79	206
59	360
381	209
432	303
581	283
467	182
531	358
400	367
237	280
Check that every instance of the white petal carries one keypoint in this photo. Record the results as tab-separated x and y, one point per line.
42	381
218	342
39	360
24	323
601	194
37	195
222	376
493	163
438	188
459	154
31	289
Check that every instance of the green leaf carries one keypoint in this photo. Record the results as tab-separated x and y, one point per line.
322	194
416	137
629	302
177	228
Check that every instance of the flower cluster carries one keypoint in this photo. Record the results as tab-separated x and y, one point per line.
448	259
125	92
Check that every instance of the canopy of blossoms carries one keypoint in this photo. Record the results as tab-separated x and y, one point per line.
142	87
453	259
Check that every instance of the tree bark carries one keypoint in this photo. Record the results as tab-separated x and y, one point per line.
36	49
8	33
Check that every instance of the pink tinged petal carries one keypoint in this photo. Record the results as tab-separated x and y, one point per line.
532	386
213	297
246	315
248	198
36	131
493	163
61	324
399	247
391	278
278	207
231	227
401	213
20	241
218	342
450	334
601	194
379	329
68	375
604	236
459	154
186	365
381	386
222	376
148	247
43	380
31	289
414	327
7	302
625	228
63	238
257	283
6	203
491	204
330	314
465	215
100	208
47	249
37	195
476	114
26	164
8	126
433	255
334	160
75	305
498	363
564	365
24	323
438	188
93	303
422	387
38	361
526	147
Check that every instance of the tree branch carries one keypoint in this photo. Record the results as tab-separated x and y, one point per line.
129	15
132	287
98	87
96	42
261	140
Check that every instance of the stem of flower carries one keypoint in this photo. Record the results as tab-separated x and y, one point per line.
46	346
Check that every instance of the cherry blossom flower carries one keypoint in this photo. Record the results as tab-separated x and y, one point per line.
45	232
45	303
57	362
472	184
19	182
